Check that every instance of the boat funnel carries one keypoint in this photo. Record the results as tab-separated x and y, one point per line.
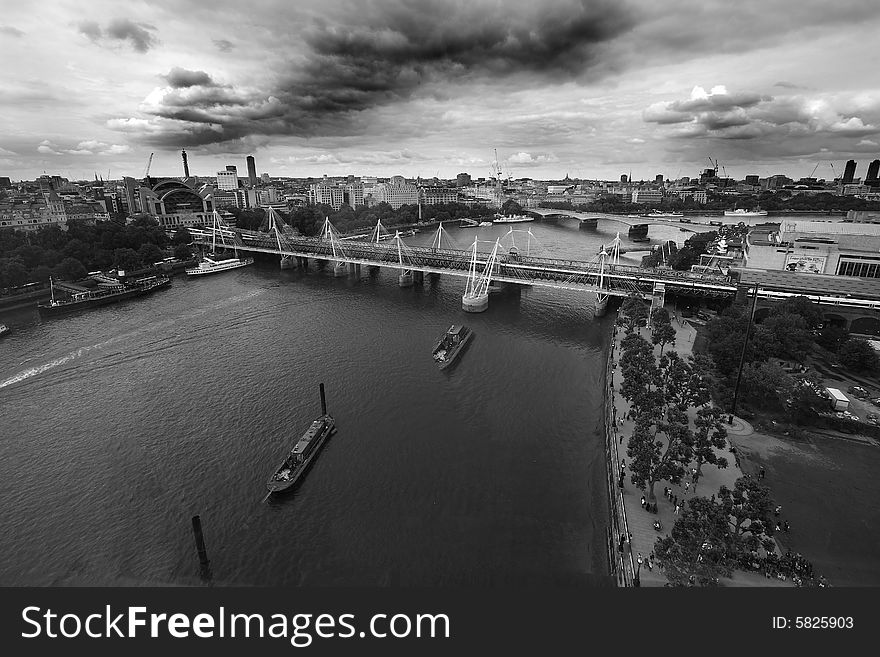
323	401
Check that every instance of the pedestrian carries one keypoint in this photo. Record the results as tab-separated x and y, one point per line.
761	473
687	486
639	560
785	526
677	507
777	510
643	501
621	439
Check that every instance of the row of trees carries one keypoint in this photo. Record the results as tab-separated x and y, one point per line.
669	437
661	392
32	257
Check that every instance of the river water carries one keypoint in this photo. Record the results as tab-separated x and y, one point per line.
117	425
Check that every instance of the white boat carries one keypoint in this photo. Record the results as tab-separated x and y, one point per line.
210	266
657	214
483	224
742	212
512	219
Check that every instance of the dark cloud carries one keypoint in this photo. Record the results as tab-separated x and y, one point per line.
223	45
138	35
379	53
181	78
11	31
789	85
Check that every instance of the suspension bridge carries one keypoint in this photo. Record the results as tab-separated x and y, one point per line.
496	262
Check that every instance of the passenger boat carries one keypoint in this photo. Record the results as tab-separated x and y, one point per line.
512	219
742	212
211	266
484	224
298	460
106	293
450	346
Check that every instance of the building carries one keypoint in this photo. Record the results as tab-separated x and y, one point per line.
252	170
624	178
5	183
396	192
463	180
872	175
699	195
174	203
817	247
265	178
438	195
353	194
849	172
227	179
647	196
327	194
658	178
752	180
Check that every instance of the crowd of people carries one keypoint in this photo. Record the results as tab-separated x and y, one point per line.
787	566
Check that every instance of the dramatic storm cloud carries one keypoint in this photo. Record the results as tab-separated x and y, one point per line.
593	88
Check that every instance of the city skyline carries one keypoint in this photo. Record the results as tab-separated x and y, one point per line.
588	89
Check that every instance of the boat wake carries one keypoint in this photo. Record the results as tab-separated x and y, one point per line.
82	351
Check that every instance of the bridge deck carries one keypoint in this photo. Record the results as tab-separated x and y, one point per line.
618	280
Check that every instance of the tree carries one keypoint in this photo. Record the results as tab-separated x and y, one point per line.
832	337
803	307
792	337
12	273
748	508
511	207
710	434
126	259
182	252
150	254
765	385
634	311
661	443
181	236
857	354
662	332
700	548
71	269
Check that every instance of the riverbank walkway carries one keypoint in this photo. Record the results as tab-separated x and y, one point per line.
632	515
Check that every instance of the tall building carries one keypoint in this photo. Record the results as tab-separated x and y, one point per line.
658	178
849	173
752	180
623	178
252	170
227	179
185	163
397	192
873	171
463	180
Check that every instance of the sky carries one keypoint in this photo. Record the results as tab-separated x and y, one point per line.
586	88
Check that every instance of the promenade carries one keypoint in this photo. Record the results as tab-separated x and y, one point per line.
630	512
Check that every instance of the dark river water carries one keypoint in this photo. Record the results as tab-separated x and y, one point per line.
117	425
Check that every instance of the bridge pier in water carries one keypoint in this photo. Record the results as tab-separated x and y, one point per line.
475	304
418	277
354	269
340	269
405	279
287	262
601	305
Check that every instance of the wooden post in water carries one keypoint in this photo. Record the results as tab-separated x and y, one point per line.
323	401
205	565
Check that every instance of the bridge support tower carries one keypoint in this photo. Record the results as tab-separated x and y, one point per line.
405	278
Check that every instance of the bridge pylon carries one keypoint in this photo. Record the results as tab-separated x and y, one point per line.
476	295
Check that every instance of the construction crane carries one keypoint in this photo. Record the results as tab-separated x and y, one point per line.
714	165
147	171
814	170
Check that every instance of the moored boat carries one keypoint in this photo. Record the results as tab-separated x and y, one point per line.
105	294
512	219
297	461
450	346
742	212
210	266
